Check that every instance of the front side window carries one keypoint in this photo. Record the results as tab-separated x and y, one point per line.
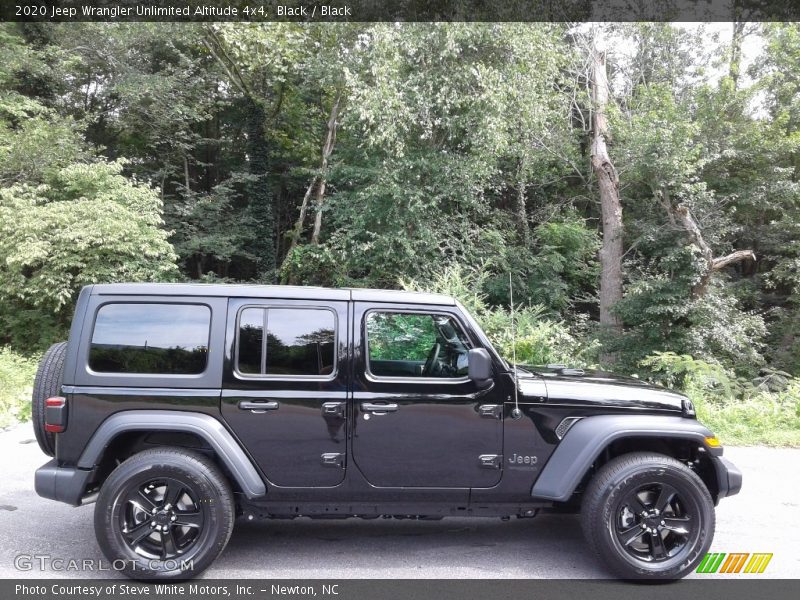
298	342
416	345
150	338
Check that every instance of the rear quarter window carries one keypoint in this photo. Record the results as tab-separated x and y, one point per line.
150	338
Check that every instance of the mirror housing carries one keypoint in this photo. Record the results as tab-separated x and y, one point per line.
479	364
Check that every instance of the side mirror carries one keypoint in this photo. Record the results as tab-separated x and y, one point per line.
479	365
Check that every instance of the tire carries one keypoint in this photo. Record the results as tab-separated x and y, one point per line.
202	504
47	384
678	507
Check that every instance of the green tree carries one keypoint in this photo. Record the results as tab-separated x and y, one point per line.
86	224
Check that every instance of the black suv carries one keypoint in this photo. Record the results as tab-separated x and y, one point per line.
178	407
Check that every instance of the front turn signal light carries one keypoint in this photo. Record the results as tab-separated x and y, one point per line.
713	442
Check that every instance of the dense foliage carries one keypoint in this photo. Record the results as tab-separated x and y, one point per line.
436	156
16	385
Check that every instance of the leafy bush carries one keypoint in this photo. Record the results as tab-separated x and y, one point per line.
699	378
311	265
16	384
540	339
88	224
559	269
659	315
765	410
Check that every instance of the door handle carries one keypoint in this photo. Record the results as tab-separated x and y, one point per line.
258	407
378	408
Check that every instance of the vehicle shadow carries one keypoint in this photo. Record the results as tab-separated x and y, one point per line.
549	546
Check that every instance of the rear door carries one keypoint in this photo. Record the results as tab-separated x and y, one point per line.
285	387
419	420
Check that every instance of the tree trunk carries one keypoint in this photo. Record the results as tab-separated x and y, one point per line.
662	195
712	264
523	230
298	225
327	150
258	193
736	52
186	175
611	207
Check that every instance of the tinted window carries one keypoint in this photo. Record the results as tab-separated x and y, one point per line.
416	345
151	338
251	340
299	342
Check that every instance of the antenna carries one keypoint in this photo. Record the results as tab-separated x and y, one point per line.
516	413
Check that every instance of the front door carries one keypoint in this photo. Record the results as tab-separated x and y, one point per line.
419	421
285	388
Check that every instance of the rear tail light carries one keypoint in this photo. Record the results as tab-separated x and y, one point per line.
55	414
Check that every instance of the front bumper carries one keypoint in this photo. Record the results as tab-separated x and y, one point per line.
65	484
729	478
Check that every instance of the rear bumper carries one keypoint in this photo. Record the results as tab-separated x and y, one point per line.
729	478
64	484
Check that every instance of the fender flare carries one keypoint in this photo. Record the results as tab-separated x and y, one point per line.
205	426
587	438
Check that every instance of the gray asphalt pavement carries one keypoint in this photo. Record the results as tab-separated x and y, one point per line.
763	518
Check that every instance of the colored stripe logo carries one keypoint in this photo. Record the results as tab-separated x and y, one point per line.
735	562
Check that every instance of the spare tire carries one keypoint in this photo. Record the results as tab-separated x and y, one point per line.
47	384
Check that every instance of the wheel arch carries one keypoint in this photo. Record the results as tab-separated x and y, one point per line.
593	441
127	428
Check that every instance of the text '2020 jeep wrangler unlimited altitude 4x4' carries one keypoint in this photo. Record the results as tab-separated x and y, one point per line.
178	407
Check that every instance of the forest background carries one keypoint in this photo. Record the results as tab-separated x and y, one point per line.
639	182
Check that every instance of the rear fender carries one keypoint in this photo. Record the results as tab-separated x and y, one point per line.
204	426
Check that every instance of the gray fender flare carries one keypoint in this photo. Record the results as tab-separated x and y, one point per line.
205	426
587	438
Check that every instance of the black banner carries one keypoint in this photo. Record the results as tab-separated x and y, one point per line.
382	589
255	11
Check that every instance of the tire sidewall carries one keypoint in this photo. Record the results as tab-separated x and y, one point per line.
204	550
691	490
46	384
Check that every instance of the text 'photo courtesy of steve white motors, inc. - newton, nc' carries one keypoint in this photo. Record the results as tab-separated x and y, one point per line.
310	11
178	590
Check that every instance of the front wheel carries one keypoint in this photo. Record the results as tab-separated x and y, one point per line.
164	513
648	516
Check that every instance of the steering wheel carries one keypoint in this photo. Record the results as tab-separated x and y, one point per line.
433	359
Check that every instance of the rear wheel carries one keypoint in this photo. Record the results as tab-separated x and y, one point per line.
648	516
47	384
164	513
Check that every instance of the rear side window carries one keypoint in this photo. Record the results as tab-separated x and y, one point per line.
150	338
300	342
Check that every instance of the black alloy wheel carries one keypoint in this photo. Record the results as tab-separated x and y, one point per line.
652	523
161	518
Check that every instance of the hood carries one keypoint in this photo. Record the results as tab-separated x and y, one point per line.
579	387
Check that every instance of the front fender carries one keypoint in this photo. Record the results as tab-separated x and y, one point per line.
587	438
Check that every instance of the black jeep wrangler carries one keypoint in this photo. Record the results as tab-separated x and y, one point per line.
177	408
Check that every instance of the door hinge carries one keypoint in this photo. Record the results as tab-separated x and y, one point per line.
333	409
491	411
491	461
333	459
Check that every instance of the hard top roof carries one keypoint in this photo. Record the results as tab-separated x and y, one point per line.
269	291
